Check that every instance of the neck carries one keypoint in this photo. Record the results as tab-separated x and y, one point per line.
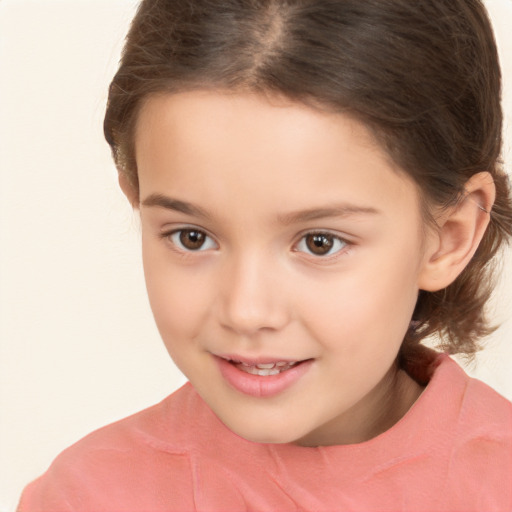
377	412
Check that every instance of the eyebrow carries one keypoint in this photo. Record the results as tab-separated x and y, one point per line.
340	210
176	205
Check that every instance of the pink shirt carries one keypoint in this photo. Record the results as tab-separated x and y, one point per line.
451	452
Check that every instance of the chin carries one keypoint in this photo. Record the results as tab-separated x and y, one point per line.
268	435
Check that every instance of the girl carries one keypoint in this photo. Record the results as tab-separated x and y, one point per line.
320	191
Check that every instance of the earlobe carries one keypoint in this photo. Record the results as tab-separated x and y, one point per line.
128	189
460	230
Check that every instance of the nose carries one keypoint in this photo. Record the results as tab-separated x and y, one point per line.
253	298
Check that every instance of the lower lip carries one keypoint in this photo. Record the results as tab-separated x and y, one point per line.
261	386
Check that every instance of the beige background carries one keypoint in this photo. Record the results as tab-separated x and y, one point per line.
78	347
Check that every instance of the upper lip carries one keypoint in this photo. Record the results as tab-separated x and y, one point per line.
254	360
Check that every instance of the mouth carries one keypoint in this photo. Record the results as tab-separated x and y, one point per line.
263	377
264	369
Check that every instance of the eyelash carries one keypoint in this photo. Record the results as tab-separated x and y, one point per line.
338	246
174	237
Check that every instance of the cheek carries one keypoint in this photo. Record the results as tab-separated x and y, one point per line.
368	307
178	298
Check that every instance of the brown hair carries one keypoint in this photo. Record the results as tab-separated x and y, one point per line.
423	75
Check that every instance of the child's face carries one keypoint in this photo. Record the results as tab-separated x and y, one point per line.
274	233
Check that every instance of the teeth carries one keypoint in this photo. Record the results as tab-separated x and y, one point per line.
265	369
266	366
264	372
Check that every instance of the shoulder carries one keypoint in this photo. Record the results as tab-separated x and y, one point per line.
480	457
124	464
482	412
456	402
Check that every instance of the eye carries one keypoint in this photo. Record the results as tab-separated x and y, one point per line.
191	240
321	244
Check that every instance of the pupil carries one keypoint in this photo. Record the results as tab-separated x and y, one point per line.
319	244
192	239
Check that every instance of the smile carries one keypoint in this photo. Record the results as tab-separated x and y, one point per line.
261	379
265	369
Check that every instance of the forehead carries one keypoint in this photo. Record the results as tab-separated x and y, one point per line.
213	144
196	112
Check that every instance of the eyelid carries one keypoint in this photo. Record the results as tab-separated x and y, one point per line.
340	238
167	234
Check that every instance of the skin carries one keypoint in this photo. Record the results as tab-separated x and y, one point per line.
255	176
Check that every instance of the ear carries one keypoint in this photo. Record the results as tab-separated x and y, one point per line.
460	229
129	190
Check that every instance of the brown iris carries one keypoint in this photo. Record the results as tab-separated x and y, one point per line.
192	239
319	243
